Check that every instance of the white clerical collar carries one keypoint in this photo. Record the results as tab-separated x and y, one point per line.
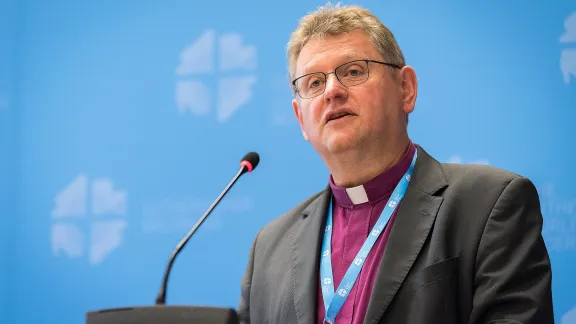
357	195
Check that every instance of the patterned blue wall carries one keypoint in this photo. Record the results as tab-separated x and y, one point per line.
121	121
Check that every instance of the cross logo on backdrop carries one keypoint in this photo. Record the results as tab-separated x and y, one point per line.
569	317
568	55
216	72
88	219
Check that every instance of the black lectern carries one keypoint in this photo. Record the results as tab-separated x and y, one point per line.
163	315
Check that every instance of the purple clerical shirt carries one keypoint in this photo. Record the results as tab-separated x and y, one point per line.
355	211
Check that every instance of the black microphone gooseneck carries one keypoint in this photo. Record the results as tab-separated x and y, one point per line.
247	164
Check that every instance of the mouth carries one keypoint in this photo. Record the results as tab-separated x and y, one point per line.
338	115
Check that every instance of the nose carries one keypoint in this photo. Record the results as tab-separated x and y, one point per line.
334	89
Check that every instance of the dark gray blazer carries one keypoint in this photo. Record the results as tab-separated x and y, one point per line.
466	247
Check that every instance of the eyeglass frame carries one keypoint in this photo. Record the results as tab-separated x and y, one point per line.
337	78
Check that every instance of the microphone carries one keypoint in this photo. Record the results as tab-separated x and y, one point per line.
247	164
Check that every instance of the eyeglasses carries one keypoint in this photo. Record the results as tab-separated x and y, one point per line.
348	74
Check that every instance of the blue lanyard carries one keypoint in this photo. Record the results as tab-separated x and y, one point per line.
333	302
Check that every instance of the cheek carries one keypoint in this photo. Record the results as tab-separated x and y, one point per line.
314	113
384	103
377	111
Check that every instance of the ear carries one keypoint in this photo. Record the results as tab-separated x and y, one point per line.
409	85
298	114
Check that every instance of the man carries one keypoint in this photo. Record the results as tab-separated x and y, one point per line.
396	236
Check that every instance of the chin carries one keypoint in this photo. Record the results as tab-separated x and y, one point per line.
341	143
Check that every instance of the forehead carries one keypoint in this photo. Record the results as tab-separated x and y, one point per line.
321	54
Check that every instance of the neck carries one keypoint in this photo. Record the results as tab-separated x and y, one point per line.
358	168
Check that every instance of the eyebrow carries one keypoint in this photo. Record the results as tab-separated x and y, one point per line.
345	57
353	56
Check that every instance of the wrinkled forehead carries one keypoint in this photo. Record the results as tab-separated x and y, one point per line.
325	64
324	55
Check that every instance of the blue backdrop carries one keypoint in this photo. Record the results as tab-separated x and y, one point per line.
121	121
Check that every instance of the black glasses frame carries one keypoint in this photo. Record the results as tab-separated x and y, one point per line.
334	72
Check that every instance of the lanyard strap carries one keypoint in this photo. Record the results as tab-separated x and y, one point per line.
333	302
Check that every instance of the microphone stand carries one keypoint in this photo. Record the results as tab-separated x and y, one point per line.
160	313
161	298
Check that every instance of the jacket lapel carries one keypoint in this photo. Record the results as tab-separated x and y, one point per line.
306	240
416	215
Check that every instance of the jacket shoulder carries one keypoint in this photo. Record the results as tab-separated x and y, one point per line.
482	186
478	175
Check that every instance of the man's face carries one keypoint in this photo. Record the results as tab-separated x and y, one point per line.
376	108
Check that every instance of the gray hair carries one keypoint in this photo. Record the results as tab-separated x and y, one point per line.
332	20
